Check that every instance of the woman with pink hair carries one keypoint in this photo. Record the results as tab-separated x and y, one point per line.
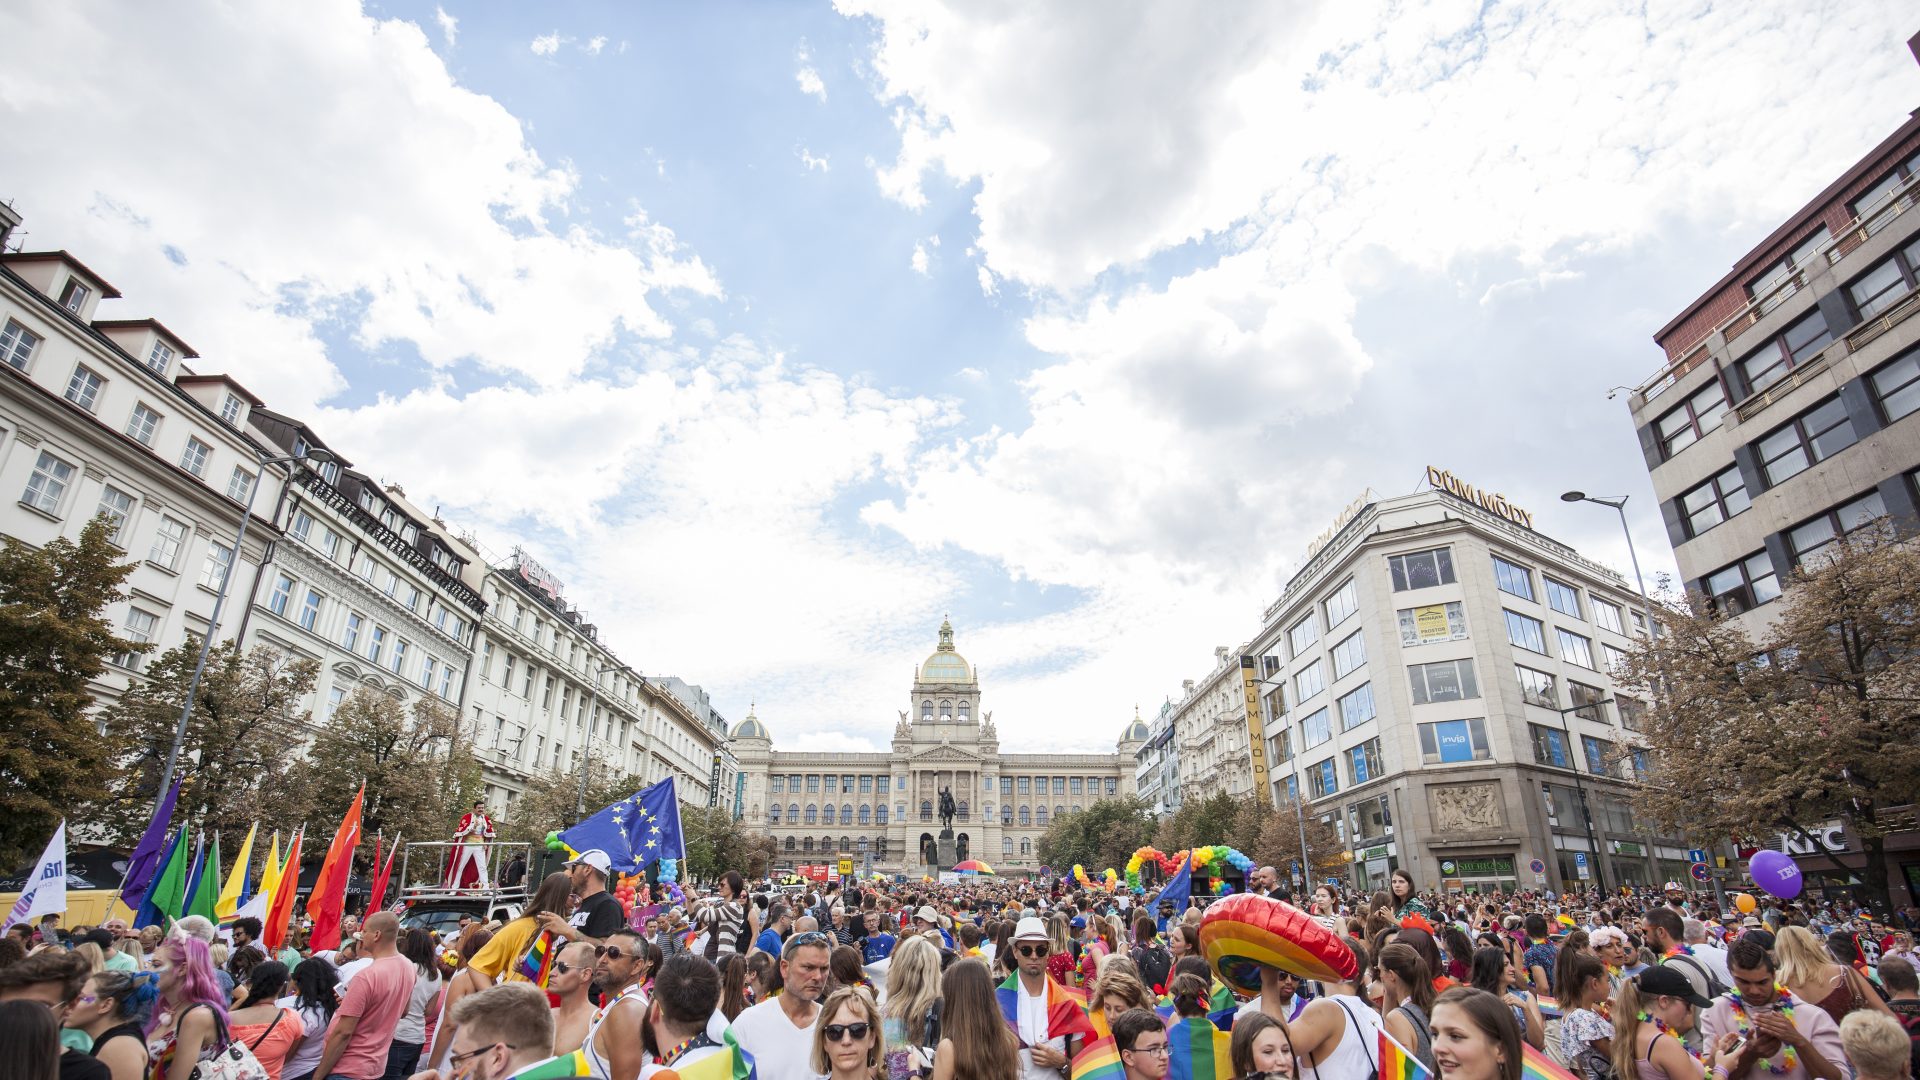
189	1021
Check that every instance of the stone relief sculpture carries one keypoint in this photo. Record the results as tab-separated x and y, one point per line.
1467	807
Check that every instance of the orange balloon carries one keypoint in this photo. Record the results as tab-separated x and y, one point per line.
1745	903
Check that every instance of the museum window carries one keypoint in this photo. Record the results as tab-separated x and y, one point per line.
1006	814
1026	816
813	813
1006	845
773	814
1026	845
1040	817
1059	785
789	845
926	810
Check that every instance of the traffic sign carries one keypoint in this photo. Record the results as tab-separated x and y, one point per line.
1700	872
1580	865
1697	855
1537	866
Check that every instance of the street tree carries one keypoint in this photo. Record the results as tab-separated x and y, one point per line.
548	804
55	639
1098	838
416	760
716	843
1811	717
241	753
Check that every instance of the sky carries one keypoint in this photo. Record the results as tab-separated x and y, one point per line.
779	331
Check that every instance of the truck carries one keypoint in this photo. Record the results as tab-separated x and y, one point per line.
426	900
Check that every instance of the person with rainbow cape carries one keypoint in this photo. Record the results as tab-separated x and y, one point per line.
1050	1019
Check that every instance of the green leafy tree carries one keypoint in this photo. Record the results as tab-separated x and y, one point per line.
716	843
417	763
1808	718
54	641
1198	821
242	751
1098	838
549	800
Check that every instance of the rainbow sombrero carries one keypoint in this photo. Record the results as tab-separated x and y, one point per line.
1242	934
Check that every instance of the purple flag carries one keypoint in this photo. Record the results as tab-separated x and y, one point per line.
146	855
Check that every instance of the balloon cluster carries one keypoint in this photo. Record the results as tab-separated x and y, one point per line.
669	870
1207	862
1111	879
1168	864
554	843
624	886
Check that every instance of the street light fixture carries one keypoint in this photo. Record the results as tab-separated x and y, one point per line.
1579	785
1620	506
317	455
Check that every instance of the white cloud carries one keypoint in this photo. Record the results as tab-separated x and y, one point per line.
919	261
449	26
808	79
987	285
594	45
810	163
546	44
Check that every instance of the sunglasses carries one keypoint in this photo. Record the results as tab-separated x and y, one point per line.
610	951
1033	950
811	937
563	967
843	1032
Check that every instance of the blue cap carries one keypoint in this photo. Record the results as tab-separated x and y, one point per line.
1079	922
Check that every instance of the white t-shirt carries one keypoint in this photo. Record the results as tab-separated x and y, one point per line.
781	1051
1715	958
1033	1032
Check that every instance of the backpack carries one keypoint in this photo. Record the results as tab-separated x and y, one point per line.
1155	963
1714	986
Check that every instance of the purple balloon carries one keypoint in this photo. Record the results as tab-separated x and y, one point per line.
1775	873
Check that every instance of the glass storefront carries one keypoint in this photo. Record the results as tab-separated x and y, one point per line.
1478	873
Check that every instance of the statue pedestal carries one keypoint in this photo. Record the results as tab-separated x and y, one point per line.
949	849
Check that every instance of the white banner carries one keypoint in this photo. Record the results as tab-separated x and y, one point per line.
46	891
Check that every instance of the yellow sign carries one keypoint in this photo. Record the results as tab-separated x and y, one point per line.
1491	502
846	867
1430	622
1256	737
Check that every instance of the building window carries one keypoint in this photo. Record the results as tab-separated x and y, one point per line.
1432	622
1875	197
310	610
1765	282
194	458
48	484
1075	786
1633	712
1537	687
1323	779
1575	649
446	684
240	487
1687	422
1512	578
1421	569
399	659
281	596
1349	655
1112	785
1715	501
1526	632
17	344
1590	698
1315	729
74	296
1599	755
1343	603
1449	680
1616	660
1897	386
1549	746
140	628
83	389
1454	740
1059	785
1364	764
142	424
1356	707
1310	681
167	542
1302	635
1607	615
117	507
1787	350
213	572
351	639
1815	435
1743	586
159	357
1884	285
1808	539
1563	598
376	643
1040	817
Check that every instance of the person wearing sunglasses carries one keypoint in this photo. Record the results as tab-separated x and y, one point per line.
846	1041
1050	1024
570	982
613	1045
779	1033
1141	1037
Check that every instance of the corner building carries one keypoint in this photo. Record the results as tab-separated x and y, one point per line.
1434	681
1787	413
881	810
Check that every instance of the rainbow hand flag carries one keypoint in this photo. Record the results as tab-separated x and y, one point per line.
1099	1059
729	1062
557	1068
1549	1007
1065	1014
536	964
1198	1050
1538	1066
1398	1063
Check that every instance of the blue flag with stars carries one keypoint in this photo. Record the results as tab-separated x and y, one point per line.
636	830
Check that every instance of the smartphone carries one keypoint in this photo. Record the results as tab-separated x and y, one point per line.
1737	1047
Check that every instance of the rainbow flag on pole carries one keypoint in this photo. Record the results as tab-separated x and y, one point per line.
1398	1063
1198	1050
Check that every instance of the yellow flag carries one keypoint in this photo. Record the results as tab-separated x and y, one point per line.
230	898
270	872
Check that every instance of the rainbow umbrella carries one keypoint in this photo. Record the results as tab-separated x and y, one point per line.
973	866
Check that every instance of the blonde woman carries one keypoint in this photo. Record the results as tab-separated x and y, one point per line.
909	1021
1812	976
1118	990
846	1039
96	960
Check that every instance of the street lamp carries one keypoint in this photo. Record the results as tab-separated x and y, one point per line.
1620	506
1299	788
318	455
1573	761
586	741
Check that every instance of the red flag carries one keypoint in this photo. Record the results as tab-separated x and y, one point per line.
329	900
373	901
386	872
280	909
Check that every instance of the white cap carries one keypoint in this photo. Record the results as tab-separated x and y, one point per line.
927	914
595	858
1030	930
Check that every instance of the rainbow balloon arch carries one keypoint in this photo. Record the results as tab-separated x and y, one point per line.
1218	870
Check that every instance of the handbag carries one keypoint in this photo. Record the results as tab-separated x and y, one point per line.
234	1061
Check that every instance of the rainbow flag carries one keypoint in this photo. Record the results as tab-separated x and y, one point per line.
1549	1007
557	1068
1066	1015
1099	1059
536	964
1538	1066
1199	1051
1398	1063
730	1062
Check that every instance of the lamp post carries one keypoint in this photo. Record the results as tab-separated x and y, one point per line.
586	742
1579	785
315	454
1299	795
1620	507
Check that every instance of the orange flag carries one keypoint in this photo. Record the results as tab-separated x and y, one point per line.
329	898
280	907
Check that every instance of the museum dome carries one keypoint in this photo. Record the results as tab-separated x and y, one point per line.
945	665
751	728
1136	731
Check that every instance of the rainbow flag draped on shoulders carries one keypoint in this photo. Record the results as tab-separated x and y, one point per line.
1535	1065
536	964
1199	1050
1398	1063
1065	1013
557	1068
729	1061
1099	1059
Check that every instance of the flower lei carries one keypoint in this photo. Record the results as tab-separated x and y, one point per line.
1780	993
1664	1029
1682	949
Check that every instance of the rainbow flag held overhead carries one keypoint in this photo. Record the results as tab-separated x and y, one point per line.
1398	1063
536	964
1099	1059
1198	1050
1538	1066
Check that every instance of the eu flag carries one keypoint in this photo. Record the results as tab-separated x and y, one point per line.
636	830
1178	890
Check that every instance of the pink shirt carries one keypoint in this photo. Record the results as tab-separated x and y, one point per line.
378	995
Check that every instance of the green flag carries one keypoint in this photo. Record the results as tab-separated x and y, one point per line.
169	895
206	897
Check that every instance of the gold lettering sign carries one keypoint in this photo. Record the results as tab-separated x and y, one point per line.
1256	739
1491	502
1340	522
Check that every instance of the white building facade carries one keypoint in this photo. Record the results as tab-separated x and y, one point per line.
1211	734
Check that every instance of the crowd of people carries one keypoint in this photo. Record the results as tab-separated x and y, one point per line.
988	979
